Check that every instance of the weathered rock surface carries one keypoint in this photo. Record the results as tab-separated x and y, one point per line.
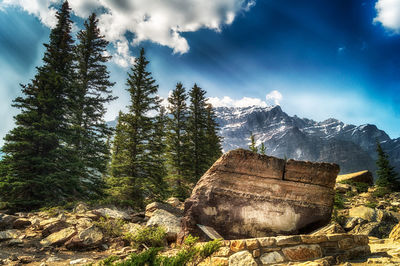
59	237
395	233
170	222
245	194
242	258
110	213
360	177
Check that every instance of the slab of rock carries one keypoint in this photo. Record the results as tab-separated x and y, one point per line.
59	238
170	222
6	221
359	177
245	195
152	207
242	258
10	234
91	237
272	258
395	233
113	214
332	228
302	252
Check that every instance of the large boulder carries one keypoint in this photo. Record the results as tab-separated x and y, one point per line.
358	177
245	194
170	222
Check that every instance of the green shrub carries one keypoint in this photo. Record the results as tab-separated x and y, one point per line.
338	201
110	227
371	204
109	261
190	254
360	186
350	194
148	236
380	192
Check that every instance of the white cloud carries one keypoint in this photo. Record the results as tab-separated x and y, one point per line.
388	14
274	96
158	21
227	101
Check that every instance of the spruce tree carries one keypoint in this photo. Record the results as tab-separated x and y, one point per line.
133	159
177	156
40	167
252	146
157	171
196	130
91	93
387	177
214	150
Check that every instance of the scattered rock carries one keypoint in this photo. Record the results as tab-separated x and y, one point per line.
332	228
272	258
152	207
10	234
342	188
242	258
78	261
59	238
6	221
245	194
21	223
395	233
170	222
110	213
360	177
91	237
81	208
302	252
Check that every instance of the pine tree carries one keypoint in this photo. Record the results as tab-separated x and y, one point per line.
133	161
262	149
91	93
40	168
196	130
252	146
177	156
214	150
157	171
387	177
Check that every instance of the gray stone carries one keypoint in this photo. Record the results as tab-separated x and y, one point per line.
272	258
110	213
242	258
10	234
168	221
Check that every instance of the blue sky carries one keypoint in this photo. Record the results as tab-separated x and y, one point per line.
317	59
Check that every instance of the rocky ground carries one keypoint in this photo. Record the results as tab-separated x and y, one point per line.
85	236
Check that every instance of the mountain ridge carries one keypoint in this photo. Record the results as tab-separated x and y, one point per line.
352	147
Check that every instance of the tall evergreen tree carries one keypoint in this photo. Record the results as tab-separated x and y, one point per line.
133	159
387	177
177	156
157	171
196	130
91	93
39	165
213	141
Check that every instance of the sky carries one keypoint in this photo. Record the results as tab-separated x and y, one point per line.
316	59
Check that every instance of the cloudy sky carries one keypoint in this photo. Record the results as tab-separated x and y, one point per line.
317	59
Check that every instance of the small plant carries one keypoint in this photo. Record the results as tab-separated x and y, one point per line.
148	236
360	186
380	192
338	201
350	194
110	227
108	261
371	204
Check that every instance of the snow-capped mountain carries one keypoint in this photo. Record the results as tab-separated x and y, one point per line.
352	147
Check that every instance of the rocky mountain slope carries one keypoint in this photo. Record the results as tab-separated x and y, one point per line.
350	146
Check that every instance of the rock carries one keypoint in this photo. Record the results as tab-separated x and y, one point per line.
363	212
238	245
21	223
175	202
81	208
53	227
110	213
359	177
302	252
352	222
83	223
170	222
272	258
91	237
59	238
78	261
245	195
395	233
381	224
152	207
6	221
131	228
10	234
242	258
342	188
332	228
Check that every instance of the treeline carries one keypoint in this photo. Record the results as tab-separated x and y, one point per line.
59	150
